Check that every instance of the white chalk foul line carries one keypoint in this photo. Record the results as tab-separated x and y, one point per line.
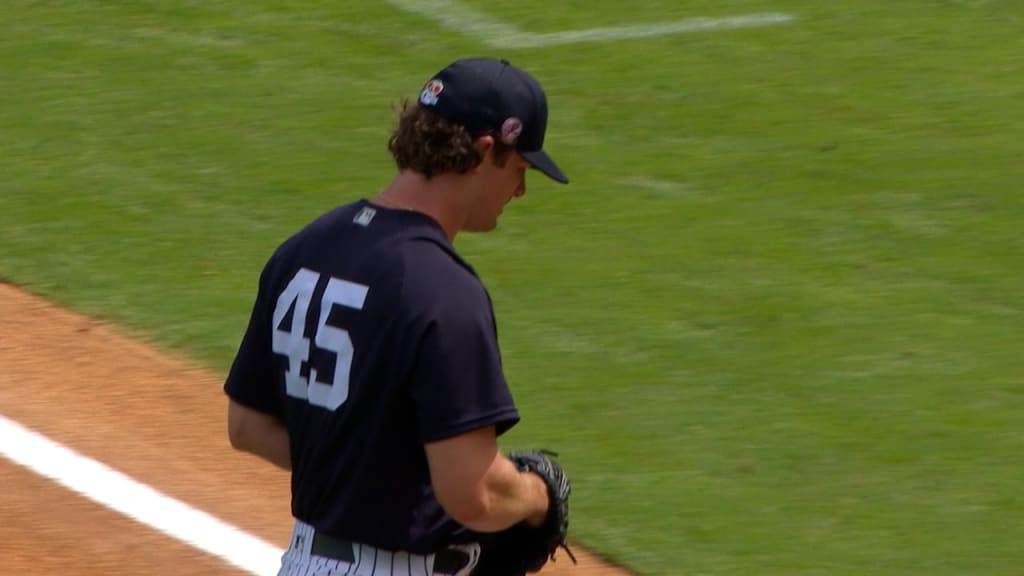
497	34
647	31
118	492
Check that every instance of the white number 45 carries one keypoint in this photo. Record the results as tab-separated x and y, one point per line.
293	343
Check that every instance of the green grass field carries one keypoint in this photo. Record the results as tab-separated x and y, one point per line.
773	326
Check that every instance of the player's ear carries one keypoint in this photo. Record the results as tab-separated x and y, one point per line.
484	145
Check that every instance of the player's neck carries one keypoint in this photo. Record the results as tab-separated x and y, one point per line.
437	198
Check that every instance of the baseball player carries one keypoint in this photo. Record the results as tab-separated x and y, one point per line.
370	367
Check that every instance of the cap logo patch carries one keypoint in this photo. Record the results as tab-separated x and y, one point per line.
430	92
510	130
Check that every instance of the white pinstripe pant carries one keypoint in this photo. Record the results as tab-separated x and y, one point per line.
368	561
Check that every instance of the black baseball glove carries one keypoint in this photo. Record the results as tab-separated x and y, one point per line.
523	548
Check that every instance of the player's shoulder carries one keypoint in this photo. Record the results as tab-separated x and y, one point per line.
436	278
314	245
367	243
413	244
347	229
331	223
430	259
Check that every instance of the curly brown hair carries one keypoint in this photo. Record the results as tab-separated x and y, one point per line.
426	143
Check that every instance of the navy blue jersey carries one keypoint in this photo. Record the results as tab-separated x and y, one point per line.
369	337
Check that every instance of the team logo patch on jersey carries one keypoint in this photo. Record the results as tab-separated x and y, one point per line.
365	216
430	92
510	130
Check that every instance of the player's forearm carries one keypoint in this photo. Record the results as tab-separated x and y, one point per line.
508	497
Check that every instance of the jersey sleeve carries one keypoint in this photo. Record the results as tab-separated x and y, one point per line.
457	381
250	381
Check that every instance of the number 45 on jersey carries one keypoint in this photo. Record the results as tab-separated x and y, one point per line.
293	344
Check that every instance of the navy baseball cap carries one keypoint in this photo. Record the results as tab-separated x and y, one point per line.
484	94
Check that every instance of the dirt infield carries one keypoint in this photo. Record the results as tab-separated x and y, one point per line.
156	418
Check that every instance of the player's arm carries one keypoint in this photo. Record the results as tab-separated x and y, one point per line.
482	489
258	433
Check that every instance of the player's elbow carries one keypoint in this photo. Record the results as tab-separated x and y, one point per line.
238	427
465	472
249	429
470	508
263	435
236	435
